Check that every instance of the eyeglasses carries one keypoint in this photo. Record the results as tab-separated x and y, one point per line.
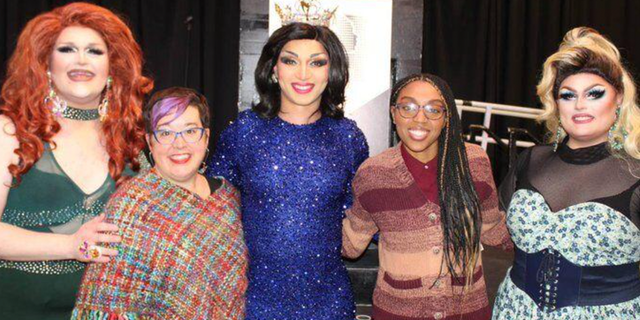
434	109
167	137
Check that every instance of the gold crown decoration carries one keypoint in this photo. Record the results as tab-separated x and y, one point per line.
306	11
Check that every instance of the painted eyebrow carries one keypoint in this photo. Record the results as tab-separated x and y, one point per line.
291	53
587	89
595	85
92	44
311	56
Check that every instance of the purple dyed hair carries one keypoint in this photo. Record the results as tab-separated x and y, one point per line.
174	101
166	106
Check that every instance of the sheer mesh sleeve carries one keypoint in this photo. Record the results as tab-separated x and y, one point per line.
635	207
508	185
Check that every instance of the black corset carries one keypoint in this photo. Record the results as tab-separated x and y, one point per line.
554	282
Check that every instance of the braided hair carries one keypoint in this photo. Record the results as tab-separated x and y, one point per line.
459	205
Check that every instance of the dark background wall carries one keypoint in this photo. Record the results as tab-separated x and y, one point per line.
493	50
159	26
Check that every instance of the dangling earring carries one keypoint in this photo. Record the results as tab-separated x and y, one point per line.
58	106
556	142
274	78
613	141
103	108
151	162
203	167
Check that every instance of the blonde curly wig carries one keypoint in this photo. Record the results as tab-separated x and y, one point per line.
584	50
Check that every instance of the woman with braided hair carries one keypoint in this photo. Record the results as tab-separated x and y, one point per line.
574	205
433	200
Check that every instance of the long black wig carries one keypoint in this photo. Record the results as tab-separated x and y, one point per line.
459	205
269	91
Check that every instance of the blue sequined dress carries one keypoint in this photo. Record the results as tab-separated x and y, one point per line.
295	182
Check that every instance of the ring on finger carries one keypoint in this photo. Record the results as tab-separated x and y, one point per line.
94	252
84	249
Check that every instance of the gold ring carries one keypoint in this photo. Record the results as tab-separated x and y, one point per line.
94	252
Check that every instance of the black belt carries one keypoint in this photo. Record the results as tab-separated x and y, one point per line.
554	282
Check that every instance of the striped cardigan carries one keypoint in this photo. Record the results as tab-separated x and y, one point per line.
388	200
181	256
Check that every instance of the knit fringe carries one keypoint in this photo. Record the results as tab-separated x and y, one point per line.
84	314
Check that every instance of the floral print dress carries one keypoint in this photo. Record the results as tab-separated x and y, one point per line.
579	206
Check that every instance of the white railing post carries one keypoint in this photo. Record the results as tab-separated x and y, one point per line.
491	109
487	124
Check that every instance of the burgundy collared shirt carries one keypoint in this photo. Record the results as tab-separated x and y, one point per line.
425	174
426	177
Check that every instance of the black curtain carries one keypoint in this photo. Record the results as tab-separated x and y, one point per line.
160	27
493	50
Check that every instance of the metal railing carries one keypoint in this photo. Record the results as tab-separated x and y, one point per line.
487	136
490	109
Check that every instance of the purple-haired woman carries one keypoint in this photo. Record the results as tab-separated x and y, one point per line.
182	254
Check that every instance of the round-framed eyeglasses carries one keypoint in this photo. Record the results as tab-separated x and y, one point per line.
167	137
434	110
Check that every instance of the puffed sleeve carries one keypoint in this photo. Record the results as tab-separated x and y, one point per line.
224	161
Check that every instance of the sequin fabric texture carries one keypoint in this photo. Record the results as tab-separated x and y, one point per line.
47	201
295	183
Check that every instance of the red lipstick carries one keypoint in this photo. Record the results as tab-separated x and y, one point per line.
582	118
302	88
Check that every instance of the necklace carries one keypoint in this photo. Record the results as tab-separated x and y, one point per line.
80	114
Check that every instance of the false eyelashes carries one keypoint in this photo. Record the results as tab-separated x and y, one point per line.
595	93
592	94
315	63
566	95
70	49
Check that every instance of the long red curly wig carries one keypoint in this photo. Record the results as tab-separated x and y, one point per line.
23	92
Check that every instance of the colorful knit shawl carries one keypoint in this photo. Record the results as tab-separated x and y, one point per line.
181	256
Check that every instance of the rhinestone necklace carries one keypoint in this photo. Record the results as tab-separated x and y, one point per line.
80	114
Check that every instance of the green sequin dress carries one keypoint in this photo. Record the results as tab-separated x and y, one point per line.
47	200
